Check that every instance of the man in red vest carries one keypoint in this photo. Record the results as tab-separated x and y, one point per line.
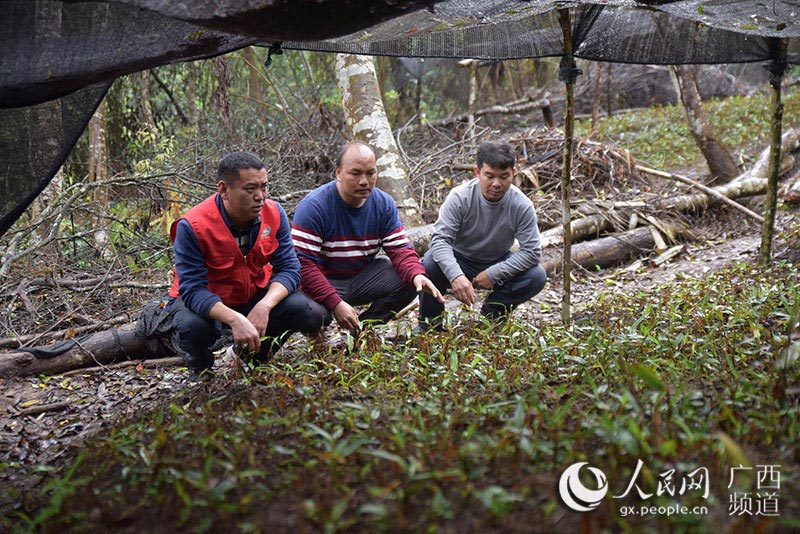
235	264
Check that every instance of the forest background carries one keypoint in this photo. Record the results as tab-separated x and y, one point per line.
94	249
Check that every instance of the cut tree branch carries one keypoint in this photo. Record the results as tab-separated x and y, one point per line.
707	190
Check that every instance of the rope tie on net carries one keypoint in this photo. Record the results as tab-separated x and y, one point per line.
274	49
568	70
777	66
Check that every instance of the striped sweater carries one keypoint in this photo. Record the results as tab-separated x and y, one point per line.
334	240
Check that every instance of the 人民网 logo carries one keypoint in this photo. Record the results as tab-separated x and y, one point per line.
575	494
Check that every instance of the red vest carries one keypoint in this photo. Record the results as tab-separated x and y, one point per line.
232	276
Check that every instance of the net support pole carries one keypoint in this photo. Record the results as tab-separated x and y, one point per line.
567	72
776	67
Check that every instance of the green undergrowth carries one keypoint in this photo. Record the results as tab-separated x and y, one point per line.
659	136
469	431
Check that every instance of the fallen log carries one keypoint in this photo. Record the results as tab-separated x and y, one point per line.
790	192
101	348
607	251
19	341
739	188
750	183
790	142
598	223
707	190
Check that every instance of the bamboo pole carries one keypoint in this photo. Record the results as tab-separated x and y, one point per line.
567	73
768	229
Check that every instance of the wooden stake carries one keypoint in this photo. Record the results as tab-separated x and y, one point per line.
768	229
566	171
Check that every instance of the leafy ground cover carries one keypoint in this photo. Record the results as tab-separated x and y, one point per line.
660	135
471	430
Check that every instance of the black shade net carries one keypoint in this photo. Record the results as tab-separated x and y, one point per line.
57	59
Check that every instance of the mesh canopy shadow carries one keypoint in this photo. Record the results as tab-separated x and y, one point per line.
57	59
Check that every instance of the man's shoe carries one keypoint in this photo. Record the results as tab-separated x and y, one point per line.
420	329
424	327
200	375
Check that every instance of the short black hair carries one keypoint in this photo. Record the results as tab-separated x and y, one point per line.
345	147
496	154
231	164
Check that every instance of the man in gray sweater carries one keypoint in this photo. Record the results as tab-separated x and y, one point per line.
472	238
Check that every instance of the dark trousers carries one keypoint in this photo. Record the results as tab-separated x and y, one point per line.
196	334
378	285
502	299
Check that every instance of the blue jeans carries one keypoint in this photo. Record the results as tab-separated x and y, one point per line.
197	334
502	299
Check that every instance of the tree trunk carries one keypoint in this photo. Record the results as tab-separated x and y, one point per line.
418	101
254	85
98	153
191	94
48	116
49	123
598	84
609	92
511	83
366	117
790	193
219	98
45	198
720	161
790	142
473	98
98	172
144	93
544	73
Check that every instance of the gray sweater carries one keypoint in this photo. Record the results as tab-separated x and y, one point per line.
484	232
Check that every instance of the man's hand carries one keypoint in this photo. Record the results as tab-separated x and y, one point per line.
463	290
245	334
482	281
346	316
259	317
423	283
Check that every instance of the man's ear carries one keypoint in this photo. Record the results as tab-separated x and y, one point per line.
476	170
222	188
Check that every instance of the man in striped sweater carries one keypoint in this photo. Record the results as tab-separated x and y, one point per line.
338	230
